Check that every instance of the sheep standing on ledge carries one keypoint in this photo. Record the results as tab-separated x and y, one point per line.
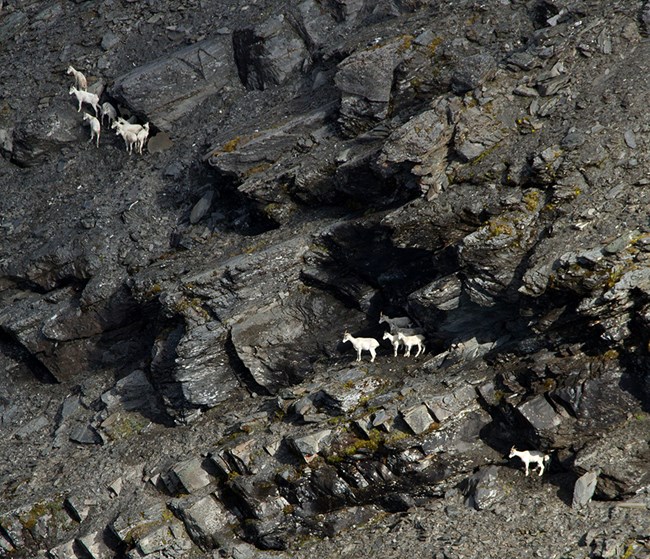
394	340
410	341
395	322
80	81
86	97
130	138
528	456
95	127
142	137
362	344
135	135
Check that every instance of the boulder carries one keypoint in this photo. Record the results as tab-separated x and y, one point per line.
482	490
344	395
540	414
471	72
189	476
584	488
417	418
205	519
308	446
365	80
268	54
42	134
95	546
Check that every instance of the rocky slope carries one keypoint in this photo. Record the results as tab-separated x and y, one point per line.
172	377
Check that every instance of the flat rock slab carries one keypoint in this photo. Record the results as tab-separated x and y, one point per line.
190	475
204	519
584	488
540	414
168	88
309	445
418	418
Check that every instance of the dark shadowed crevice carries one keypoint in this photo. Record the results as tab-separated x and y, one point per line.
230	211
13	349
241	371
247	48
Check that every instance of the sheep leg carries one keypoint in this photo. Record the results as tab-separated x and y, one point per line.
358	355
97	139
395	348
373	353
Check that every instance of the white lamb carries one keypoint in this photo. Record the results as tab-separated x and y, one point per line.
362	344
410	341
394	339
95	127
109	111
79	79
528	456
86	97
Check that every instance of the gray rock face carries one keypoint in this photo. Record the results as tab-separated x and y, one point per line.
172	377
205	519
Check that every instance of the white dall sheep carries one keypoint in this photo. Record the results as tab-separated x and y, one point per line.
394	339
362	344
109	111
395	322
130	138
80	81
95	127
86	97
140	131
142	137
410	341
528	456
